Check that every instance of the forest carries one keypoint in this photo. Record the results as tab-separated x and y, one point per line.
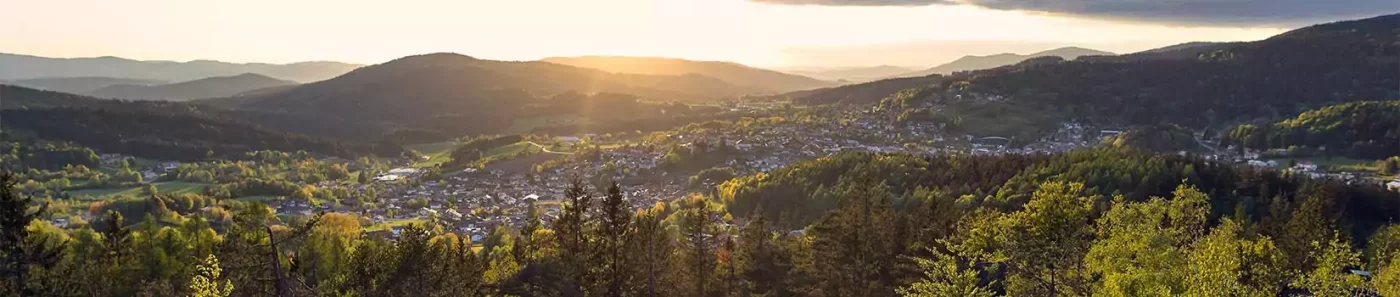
1100	222
1202	88
1363	129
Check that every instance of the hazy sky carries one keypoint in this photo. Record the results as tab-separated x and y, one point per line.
774	33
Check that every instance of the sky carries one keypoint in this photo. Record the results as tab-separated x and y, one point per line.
767	33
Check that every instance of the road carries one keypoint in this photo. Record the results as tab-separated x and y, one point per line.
546	149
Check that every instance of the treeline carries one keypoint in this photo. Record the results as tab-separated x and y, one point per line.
170	137
1097	222
1365	129
1276	77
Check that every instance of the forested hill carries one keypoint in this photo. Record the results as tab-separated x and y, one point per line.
212	87
1283	75
459	95
734	73
155	130
1366	129
968	63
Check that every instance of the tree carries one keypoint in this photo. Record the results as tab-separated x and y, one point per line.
615	225
1330	275
1142	245
946	276
1227	263
696	222
206	282
853	247
17	252
528	246
570	228
1044	244
762	265
651	239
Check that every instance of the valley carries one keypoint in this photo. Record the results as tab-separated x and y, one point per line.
1250	168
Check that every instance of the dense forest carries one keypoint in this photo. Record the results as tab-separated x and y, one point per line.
1219	84
170	137
1108	222
1365	129
155	130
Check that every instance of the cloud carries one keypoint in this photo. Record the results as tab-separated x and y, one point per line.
1201	12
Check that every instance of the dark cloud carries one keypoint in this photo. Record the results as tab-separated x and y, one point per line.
1212	12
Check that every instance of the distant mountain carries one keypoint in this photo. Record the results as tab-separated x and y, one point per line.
79	85
19	67
1184	51
853	74
967	63
460	95
733	73
213	87
1183	46
1218	84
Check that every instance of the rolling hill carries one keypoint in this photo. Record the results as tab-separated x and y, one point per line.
460	95
19	67
213	87
156	130
967	63
79	85
733	73
1220	84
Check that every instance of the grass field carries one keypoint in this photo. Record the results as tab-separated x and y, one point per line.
437	152
164	187
386	225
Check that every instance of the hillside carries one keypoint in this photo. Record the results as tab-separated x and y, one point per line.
213	87
155	130
461	95
967	63
18	67
79	85
1238	82
1364	129
733	73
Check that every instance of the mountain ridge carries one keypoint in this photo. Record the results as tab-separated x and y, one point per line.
974	62
731	72
21	66
211	87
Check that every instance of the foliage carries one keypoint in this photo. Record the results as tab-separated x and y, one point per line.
1363	129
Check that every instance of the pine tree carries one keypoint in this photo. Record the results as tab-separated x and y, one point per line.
615	224
853	247
696	221
761	264
651	247
570	232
